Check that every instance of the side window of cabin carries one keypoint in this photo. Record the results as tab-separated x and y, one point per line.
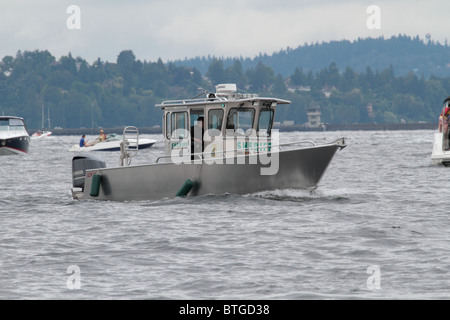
240	120
4	123
265	122
178	125
215	119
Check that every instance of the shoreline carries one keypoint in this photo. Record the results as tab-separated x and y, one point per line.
324	127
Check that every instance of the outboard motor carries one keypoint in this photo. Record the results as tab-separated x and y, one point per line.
81	163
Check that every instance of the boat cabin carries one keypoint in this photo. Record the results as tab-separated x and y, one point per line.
221	121
13	124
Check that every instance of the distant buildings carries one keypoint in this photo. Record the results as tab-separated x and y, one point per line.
313	114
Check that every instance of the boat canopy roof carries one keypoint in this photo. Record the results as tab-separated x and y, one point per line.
11	117
224	93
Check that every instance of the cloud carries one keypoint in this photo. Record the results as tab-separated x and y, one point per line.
175	29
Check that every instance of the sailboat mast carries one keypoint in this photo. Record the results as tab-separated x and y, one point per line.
42	124
48	114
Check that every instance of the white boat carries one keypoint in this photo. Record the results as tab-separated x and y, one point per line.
240	154
112	143
41	134
14	138
441	144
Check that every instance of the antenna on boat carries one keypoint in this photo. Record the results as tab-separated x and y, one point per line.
202	93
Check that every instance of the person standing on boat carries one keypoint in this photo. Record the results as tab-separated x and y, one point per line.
83	141
445	122
102	136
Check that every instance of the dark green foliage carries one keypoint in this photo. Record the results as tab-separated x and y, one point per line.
79	94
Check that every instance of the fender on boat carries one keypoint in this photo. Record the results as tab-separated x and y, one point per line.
95	185
185	188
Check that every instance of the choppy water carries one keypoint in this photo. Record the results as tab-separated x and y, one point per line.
381	206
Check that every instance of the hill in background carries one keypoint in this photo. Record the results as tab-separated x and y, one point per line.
404	53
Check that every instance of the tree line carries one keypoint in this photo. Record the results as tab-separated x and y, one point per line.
75	94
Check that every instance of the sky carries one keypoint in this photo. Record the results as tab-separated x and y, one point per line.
179	29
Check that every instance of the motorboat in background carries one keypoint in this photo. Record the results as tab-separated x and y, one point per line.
239	154
14	137
113	142
441	144
41	134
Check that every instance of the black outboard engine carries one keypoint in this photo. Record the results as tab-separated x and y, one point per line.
81	163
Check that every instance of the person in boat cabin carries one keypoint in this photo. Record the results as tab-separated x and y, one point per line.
197	132
102	136
83	141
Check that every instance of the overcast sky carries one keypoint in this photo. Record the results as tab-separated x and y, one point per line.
175	29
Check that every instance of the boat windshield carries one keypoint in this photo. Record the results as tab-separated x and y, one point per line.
12	124
265	122
240	120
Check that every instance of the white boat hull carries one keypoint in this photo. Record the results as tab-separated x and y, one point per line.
440	154
40	135
111	146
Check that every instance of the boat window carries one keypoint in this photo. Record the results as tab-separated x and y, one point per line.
195	114
215	119
178	125
265	122
240	120
11	124
15	122
4	123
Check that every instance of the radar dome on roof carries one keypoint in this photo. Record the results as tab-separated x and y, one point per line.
226	88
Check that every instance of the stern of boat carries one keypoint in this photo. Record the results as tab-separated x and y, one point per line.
439	155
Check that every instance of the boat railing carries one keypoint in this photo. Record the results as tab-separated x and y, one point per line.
129	145
190	101
298	142
246	151
209	98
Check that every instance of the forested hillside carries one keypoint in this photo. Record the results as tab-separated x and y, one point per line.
405	53
74	93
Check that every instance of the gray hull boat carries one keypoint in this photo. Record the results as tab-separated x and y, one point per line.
239	154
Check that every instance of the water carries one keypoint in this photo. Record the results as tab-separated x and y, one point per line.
381	206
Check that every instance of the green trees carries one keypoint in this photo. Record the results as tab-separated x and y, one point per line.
79	94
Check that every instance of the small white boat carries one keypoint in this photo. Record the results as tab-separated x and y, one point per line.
441	145
41	134
14	138
113	142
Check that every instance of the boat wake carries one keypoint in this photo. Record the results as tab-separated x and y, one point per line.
297	195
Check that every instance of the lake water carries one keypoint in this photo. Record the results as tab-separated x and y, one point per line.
377	227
